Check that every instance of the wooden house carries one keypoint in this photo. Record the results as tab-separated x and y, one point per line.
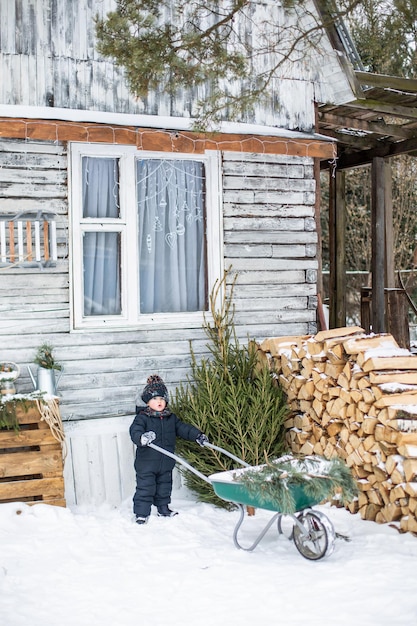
82	217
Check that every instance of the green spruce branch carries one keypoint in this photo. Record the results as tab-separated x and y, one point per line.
318	477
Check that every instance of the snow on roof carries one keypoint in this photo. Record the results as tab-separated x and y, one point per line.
147	121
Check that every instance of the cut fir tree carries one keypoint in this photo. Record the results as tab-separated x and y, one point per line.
232	398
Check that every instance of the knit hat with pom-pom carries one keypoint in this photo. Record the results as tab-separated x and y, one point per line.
155	387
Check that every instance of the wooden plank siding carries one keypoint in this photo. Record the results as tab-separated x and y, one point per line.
269	240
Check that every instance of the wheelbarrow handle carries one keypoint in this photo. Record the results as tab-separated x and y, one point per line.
229	454
192	469
180	460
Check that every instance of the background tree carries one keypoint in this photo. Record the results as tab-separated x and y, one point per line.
385	34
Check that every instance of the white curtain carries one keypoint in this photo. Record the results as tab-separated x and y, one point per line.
101	250
172	255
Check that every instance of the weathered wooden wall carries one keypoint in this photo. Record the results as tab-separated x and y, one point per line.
270	241
48	58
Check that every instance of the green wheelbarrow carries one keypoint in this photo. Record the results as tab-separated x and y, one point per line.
312	532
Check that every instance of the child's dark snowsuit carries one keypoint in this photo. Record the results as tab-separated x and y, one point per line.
154	469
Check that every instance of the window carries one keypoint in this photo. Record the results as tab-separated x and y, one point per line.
145	245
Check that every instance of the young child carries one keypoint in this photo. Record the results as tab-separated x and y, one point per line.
156	423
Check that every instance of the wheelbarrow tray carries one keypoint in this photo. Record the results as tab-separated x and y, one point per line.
226	486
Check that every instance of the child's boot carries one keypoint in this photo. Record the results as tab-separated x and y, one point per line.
165	511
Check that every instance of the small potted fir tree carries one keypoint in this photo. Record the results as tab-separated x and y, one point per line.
47	366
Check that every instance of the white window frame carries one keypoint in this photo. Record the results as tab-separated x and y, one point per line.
127	223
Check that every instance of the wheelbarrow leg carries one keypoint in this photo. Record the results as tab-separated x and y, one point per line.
259	537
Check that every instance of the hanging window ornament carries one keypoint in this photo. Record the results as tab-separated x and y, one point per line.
149	243
171	238
157	226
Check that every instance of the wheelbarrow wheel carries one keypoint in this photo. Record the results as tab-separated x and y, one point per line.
313	535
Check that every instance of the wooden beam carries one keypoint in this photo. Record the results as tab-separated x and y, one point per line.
377	106
378	245
370	126
337	248
389	231
364	157
165	140
387	82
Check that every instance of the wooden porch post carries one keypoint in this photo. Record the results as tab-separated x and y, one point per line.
389	233
378	244
337	250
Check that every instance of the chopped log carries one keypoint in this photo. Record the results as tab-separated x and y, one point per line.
343	380
408	450
334	428
364	382
333	370
390	363
384	433
306	391
355	345
392	512
276	345
370	511
380	474
362	499
369	424
318	449
351	409
412	505
410	470
334	357
307	448
370	444
368	395
406	439
393	376
397	476
408	524
397	493
314	347
374	496
353	507
338	332
302	422
397	399
387	448
360	472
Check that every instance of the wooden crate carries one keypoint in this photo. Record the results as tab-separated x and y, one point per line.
31	463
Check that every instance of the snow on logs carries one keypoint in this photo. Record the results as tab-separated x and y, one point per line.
354	396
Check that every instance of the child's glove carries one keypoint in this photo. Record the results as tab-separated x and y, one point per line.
147	438
202	440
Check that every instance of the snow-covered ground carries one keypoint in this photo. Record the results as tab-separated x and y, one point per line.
62	567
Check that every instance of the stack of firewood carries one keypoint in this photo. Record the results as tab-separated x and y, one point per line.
354	396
